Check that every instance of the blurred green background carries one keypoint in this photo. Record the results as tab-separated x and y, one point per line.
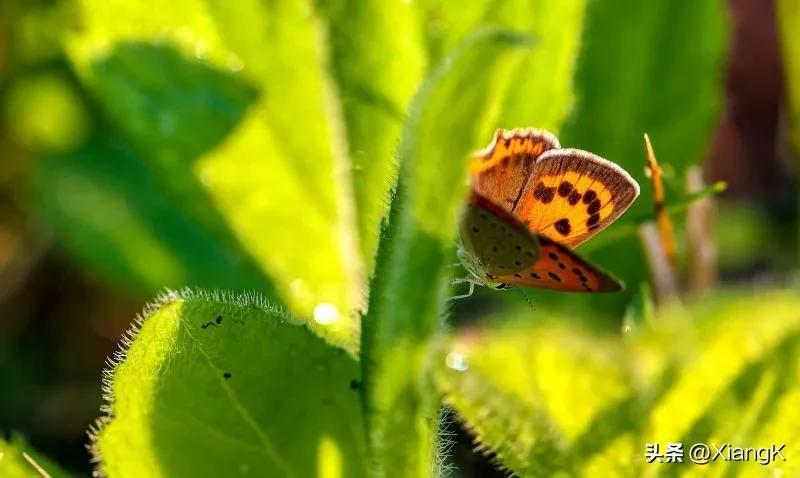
251	145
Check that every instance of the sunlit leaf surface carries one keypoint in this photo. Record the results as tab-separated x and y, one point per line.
218	385
284	153
585	404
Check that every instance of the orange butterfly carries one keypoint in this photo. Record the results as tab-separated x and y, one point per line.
531	203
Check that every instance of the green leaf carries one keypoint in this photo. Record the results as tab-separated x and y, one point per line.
374	96
652	67
529	394
407	294
18	460
534	90
276	177
170	106
582	403
171	109
214	385
649	70
113	213
788	17
539	88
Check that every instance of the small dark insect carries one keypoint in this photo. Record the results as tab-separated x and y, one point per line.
226	375
355	384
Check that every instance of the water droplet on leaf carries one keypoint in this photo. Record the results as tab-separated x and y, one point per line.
457	361
326	314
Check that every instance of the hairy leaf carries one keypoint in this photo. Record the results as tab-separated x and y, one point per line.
375	94
217	385
586	404
445	125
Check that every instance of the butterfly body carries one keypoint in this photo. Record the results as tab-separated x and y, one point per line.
531	203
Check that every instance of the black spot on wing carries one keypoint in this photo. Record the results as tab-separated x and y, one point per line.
594	207
563	226
543	193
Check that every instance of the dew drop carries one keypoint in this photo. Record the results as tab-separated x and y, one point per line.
456	361
326	314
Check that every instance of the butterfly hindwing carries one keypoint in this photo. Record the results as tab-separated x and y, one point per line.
558	268
500	171
498	242
571	195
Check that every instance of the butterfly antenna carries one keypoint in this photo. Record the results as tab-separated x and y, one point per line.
524	296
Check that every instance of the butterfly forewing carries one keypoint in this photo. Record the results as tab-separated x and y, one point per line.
499	243
572	195
499	172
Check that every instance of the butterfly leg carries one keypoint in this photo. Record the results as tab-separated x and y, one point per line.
468	294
